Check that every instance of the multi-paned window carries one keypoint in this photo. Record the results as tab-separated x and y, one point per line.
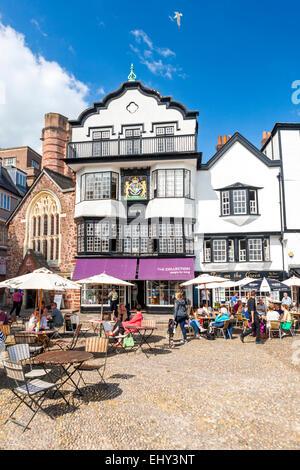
95	236
21	179
5	201
171	183
165	139
102	185
133	141
239	201
101	143
10	161
236	250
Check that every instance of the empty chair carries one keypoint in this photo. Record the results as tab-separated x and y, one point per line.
75	320
22	337
66	345
94	345
20	353
31	393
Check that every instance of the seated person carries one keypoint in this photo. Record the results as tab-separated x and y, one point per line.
198	328
261	307
135	321
33	320
55	318
44	322
44	310
272	314
277	307
245	312
237	308
220	321
286	318
122	313
3	318
128	312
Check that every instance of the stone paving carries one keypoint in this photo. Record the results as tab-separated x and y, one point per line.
201	395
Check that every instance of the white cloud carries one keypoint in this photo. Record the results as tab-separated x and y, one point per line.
151	56
33	86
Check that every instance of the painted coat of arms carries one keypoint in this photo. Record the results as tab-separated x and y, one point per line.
135	188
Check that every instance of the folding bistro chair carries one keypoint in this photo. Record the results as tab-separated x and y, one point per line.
75	320
246	325
107	328
20	353
274	328
9	338
223	329
65	345
94	345
239	319
30	393
29	338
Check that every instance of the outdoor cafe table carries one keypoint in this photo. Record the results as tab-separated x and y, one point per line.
144	337
65	360
40	334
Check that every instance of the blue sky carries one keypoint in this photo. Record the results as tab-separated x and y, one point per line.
234	62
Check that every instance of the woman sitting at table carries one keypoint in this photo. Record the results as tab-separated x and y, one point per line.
33	320
123	326
272	314
285	318
220	321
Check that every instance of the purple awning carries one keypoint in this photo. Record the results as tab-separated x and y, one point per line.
124	269
164	269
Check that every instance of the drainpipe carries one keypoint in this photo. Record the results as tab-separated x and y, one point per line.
279	176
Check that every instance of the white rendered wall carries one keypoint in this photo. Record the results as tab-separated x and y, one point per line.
290	144
149	111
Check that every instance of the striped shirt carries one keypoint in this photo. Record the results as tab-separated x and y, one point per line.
2	338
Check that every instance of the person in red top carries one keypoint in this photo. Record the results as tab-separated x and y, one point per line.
135	321
17	303
3	318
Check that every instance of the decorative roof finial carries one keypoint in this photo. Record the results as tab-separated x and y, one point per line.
132	75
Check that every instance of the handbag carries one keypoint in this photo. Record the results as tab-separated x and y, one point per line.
128	342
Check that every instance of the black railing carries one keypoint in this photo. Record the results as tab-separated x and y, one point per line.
136	146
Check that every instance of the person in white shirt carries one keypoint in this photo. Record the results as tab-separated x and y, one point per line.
286	300
272	314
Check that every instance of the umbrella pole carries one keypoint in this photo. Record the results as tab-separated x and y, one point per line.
205	288
102	305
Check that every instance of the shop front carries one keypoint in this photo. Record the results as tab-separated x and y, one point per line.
91	295
162	278
155	281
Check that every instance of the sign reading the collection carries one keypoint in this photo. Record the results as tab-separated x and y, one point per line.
135	187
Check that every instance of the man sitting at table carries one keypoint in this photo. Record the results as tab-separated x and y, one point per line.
56	317
220	322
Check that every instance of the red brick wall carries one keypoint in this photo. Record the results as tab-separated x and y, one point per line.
16	236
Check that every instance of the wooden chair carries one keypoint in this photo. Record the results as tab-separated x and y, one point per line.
24	337
274	328
65	345
223	329
75	320
239	319
246	325
151	323
96	345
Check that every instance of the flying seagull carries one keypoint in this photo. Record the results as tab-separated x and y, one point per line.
177	16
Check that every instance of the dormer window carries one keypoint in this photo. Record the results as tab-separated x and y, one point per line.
238	199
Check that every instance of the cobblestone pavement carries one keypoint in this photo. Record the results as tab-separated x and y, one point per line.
201	395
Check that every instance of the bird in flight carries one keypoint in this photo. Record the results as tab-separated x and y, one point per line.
177	16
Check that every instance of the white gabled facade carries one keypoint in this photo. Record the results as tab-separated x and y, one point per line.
144	196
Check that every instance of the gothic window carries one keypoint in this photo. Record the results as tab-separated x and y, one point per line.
43	223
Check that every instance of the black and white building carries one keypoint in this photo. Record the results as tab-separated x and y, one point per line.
149	211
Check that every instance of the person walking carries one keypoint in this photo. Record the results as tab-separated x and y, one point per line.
114	296
17	303
254	318
180	314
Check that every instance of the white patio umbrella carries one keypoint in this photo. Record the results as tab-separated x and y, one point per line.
40	279
218	285
203	280
104	279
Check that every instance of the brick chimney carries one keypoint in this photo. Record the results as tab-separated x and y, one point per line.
266	135
55	135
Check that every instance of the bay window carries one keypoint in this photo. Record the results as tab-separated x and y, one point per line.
238	200
171	183
102	185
